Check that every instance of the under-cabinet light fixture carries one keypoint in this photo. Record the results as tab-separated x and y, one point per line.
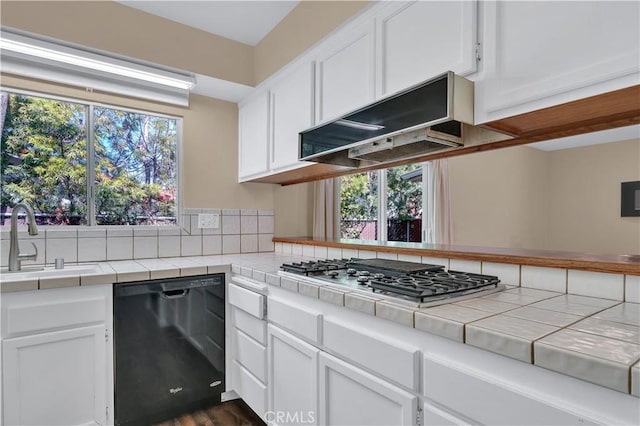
360	126
66	55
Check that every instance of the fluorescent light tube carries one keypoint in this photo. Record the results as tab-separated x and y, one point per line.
360	126
184	83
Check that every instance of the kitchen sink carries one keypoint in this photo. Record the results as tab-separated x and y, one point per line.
49	271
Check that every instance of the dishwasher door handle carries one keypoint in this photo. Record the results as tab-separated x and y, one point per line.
175	294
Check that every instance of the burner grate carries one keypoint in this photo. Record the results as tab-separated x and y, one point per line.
315	267
424	285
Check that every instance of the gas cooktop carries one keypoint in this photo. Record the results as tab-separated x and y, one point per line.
410	283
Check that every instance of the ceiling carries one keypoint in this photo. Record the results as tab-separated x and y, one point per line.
244	21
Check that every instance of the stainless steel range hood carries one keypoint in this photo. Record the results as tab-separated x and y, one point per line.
425	118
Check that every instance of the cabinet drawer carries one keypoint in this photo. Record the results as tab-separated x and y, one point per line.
304	322
390	359
248	301
249	388
252	326
487	401
251	354
44	310
434	416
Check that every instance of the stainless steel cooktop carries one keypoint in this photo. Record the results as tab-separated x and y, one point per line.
409	283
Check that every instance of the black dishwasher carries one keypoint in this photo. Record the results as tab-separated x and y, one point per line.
169	347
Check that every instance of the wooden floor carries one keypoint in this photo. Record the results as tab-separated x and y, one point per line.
230	413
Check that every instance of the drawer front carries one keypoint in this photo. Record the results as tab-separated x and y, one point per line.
249	388
392	360
488	402
434	416
248	301
251	354
45	310
250	325
305	323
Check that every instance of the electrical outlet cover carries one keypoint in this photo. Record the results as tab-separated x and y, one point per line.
207	220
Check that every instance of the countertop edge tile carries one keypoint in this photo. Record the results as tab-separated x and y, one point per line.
396	313
500	343
441	326
635	379
20	285
592	369
58	282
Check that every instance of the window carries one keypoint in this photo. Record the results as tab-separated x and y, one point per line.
395	194
79	163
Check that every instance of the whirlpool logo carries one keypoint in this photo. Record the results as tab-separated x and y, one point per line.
290	417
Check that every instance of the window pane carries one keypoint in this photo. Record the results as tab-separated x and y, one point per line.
359	206
44	145
404	203
136	176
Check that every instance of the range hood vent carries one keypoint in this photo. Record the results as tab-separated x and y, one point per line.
425	118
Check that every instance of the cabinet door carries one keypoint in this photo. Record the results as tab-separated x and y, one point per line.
253	119
56	378
540	54
293	379
350	396
419	40
292	111
345	73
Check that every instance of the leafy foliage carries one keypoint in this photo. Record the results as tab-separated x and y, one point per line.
135	167
404	197
358	203
44	162
44	144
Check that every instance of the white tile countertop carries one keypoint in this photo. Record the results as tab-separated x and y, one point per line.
593	339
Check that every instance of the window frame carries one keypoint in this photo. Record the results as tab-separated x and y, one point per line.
90	184
381	218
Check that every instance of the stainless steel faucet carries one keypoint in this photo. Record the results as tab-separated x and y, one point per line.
15	258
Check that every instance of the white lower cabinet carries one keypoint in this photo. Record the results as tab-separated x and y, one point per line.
488	400
351	396
434	416
331	366
57	364
293	379
249	388
247	353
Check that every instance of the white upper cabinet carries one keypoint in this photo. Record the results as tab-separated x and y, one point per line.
292	111
253	136
540	54
419	40
345	72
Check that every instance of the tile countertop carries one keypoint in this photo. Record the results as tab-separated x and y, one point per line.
593	339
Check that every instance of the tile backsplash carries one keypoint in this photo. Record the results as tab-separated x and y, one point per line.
240	231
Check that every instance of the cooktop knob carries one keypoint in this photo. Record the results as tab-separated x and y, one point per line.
362	279
351	271
364	273
332	274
